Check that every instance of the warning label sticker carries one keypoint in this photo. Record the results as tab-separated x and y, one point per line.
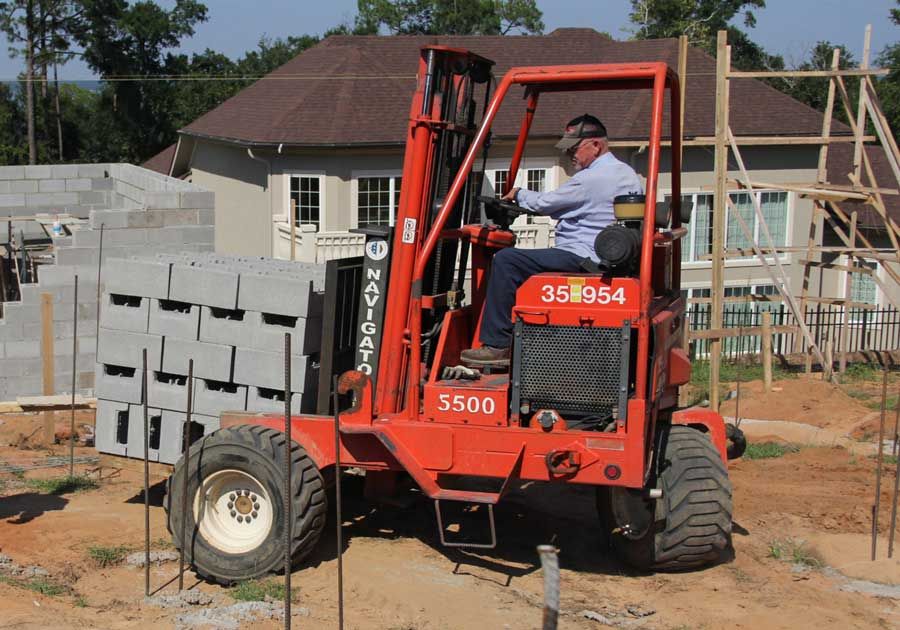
409	230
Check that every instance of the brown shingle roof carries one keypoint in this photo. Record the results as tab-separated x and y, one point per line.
369	105
840	163
162	161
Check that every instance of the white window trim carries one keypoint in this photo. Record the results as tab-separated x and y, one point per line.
286	198
547	164
354	192
879	298
752	261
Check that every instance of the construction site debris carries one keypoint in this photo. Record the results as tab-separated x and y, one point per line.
231	617
138	558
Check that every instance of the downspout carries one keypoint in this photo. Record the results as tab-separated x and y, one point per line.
268	164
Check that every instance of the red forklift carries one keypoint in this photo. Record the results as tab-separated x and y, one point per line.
591	393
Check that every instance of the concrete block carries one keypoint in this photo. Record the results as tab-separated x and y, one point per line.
111	427
268	333
213	397
135	446
93	171
11	331
4	186
41	200
26	349
55	276
12	200
263	399
172	442
102	183
197	233
199	285
93	198
206	217
18	313
172	218
210	360
110	219
125	312
206	200
78	185
145	218
147	278
64	171
78	256
12	172
156	200
86	238
226	326
52	185
271	293
117	382
131	236
176	320
167	391
266	369
120	347
24	186
38	171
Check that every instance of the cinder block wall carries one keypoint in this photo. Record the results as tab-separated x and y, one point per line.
141	212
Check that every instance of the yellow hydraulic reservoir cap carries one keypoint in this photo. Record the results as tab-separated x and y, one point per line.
629	207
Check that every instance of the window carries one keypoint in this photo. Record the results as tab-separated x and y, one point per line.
698	244
863	290
305	198
376	200
499	179
535	179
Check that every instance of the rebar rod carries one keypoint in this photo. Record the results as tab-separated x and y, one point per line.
550	567
144	396
287	481
880	462
896	426
74	380
894	509
186	443
337	501
99	267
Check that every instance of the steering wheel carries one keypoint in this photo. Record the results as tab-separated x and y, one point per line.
503	212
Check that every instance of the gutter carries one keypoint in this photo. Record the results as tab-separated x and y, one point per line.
268	164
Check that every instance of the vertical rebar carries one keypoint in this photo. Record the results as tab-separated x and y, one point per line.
144	397
74	380
550	567
337	501
186	443
99	267
880	461
894	508
896	426
287	481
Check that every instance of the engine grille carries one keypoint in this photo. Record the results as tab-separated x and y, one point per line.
570	368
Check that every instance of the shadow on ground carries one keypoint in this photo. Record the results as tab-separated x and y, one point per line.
28	506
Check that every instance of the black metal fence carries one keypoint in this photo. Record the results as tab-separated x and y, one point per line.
875	329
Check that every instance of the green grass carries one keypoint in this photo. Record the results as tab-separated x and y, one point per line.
107	556
41	585
796	551
862	372
258	590
769	450
62	485
890	404
730	372
81	601
858	394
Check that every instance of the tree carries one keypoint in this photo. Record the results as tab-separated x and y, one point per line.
888	87
18	22
701	20
448	17
814	92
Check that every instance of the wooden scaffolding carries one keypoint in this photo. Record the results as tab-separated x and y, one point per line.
827	197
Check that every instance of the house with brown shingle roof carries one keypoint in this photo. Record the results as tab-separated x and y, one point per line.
325	132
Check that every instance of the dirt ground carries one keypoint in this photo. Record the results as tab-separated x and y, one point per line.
801	549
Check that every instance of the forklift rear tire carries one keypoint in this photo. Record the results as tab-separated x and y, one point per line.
690	525
235	515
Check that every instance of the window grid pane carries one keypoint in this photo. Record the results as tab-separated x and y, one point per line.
500	178
377	200
536	179
735	237
304	193
774	210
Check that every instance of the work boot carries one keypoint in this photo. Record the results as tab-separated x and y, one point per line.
486	355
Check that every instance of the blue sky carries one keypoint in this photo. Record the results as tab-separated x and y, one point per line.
787	27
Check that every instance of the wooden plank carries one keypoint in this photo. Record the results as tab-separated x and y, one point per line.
813	192
836	266
293	220
861	110
682	81
709	141
58	400
47	367
848	291
766	346
843	302
720	197
753	331
862	71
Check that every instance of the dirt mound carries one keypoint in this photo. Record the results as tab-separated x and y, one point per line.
808	400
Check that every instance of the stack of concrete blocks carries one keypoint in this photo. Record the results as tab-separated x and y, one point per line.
227	313
141	212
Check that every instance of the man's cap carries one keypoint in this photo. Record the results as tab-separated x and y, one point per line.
577	129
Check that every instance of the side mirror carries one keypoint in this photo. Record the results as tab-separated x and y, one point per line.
662	214
687	209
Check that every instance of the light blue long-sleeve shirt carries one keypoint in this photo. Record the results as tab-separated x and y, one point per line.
584	205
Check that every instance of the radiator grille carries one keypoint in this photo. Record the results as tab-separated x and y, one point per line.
570	368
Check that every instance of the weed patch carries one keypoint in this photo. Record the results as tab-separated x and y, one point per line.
62	485
259	590
41	585
796	551
107	556
769	450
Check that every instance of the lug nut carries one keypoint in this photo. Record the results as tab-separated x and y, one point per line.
230	505
254	513
248	520
256	506
253	497
246	493
240	519
233	513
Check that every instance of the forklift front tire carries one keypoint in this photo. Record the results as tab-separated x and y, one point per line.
235	515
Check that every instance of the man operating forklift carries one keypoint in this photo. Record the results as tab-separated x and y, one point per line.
582	207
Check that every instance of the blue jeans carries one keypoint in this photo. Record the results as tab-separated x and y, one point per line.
509	269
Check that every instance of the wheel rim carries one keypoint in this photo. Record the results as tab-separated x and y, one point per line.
233	511
632	513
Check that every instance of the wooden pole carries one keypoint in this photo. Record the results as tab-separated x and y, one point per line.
767	349
682	81
848	290
293	221
719	213
861	109
47	366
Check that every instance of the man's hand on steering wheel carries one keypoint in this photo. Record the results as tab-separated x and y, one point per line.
511	195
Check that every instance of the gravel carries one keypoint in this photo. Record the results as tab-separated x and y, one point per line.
231	617
156	557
